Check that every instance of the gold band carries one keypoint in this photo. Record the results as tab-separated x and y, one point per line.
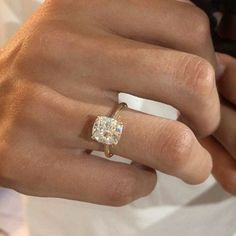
115	115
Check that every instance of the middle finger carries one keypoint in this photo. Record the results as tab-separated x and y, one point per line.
113	63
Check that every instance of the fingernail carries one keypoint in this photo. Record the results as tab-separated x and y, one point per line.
220	68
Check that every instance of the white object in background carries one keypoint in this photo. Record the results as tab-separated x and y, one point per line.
12	218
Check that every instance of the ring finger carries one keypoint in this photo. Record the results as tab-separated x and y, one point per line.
166	145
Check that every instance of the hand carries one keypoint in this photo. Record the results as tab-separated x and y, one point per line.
69	63
223	148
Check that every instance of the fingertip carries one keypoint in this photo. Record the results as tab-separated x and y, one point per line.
150	175
203	170
199	167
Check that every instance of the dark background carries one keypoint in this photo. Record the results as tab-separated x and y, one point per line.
224	34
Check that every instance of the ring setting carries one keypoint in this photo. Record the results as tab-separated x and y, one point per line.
108	130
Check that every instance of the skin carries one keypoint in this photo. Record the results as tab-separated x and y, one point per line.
222	145
68	64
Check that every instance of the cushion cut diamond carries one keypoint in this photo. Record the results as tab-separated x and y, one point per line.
107	130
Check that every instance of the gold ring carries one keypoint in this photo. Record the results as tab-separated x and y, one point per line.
107	130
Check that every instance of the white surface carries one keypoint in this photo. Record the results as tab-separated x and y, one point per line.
174	208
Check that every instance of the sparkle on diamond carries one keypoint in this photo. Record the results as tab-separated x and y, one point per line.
107	130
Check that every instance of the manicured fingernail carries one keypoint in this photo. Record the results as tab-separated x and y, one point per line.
220	68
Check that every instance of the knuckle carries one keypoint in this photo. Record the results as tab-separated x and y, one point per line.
123	190
199	76
178	146
201	25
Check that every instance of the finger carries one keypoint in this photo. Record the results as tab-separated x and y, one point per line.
227	83
226	132
160	22
111	63
184	81
224	167
88	178
165	145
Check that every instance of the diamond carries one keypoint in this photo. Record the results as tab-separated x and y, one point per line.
107	130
